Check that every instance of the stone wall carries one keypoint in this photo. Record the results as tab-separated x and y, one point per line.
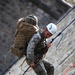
10	12
61	56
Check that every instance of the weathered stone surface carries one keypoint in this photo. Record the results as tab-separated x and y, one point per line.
10	12
62	56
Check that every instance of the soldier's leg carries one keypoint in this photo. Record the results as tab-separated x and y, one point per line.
40	69
49	67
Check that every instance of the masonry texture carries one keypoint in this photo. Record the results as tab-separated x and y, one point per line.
61	56
10	12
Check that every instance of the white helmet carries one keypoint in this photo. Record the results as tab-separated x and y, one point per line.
52	28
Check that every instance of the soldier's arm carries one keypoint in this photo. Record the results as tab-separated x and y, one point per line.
31	46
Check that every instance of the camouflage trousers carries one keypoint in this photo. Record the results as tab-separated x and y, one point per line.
44	68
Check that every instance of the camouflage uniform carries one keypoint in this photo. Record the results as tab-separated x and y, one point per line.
36	49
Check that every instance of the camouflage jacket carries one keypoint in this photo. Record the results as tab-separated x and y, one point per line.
36	47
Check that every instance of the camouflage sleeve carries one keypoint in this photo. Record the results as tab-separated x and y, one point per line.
31	46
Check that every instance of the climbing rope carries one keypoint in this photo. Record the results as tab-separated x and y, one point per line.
8	67
60	40
5	57
51	41
65	14
62	31
54	39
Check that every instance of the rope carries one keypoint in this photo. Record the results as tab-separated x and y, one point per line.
65	14
55	38
51	41
22	64
26	70
62	30
9	67
5	57
59	41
